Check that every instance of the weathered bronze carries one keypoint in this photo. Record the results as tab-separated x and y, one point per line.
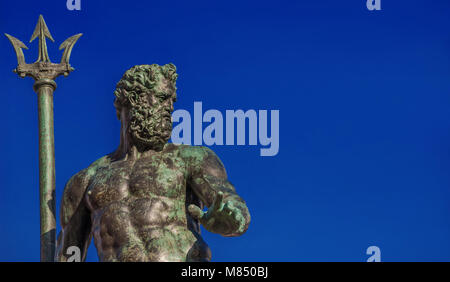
144	201
43	71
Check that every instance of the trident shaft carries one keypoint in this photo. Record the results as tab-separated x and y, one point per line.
43	71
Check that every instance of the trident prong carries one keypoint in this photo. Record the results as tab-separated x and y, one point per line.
68	46
18	46
44	72
41	31
43	68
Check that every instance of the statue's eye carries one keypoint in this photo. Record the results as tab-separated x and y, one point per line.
163	95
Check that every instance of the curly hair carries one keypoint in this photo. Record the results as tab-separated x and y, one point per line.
141	79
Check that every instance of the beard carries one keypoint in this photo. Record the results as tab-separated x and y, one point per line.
150	128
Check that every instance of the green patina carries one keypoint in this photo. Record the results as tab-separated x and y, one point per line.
137	195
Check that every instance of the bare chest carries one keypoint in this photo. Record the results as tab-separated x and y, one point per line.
152	177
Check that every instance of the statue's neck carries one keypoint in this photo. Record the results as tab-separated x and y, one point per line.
127	148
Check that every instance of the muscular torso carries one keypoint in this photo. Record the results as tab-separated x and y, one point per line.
138	209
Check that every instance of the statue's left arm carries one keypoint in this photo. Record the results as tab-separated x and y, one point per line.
227	213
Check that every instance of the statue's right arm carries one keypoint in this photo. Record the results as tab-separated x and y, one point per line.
75	235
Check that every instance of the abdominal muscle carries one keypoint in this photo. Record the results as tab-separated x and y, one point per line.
146	229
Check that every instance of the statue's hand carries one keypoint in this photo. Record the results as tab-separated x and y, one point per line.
222	218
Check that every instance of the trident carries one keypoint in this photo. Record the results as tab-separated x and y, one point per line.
43	71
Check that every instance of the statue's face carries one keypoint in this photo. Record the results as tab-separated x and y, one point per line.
150	118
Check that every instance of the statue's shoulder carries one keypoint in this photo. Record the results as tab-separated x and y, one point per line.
76	187
86	174
201	158
191	153
93	167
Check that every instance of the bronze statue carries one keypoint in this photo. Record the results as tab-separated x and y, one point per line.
144	201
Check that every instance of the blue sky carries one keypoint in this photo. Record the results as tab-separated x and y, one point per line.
363	97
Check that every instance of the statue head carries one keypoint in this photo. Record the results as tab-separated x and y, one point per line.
144	104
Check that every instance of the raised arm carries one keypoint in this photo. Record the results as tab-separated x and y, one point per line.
227	213
75	219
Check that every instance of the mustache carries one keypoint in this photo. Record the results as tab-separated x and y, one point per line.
145	112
